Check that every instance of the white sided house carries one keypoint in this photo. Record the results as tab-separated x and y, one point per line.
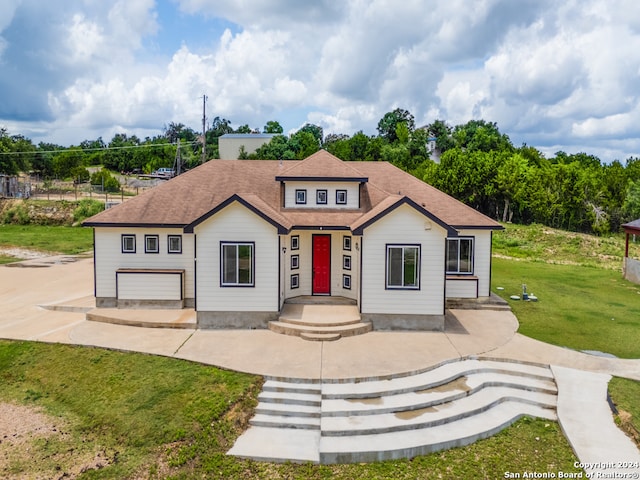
236	239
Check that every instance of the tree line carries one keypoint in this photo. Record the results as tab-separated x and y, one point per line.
476	164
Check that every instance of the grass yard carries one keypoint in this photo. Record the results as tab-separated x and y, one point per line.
584	303
583	308
50	239
124	415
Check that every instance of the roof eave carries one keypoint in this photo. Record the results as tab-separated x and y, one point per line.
294	178
451	231
282	229
132	225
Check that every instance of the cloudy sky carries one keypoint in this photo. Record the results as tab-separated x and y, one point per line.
554	74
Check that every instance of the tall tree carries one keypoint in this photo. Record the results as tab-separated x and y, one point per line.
479	135
388	124
442	133
314	130
272	126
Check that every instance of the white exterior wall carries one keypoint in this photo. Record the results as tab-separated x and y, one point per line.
462	288
135	286
403	226
109	257
304	271
481	259
235	223
229	147
352	188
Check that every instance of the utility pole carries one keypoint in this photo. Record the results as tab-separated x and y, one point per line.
204	128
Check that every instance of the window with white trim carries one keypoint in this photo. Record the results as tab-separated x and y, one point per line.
174	243
301	197
151	244
341	197
128	244
236	264
321	197
403	267
460	255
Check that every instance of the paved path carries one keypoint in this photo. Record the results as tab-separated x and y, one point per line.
65	286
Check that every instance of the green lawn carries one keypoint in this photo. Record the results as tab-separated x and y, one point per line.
583	308
155	417
50	239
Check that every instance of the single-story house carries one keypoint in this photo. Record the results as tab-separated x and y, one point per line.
235	239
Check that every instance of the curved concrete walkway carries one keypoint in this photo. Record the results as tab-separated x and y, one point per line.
67	284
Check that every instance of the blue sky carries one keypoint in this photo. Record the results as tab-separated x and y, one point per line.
554	74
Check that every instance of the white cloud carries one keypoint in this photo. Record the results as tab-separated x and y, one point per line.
550	74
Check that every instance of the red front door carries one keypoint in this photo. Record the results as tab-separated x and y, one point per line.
321	265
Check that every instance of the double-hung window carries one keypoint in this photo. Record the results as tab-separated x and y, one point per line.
403	266
460	255
237	264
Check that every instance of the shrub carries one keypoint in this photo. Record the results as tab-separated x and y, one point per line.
106	180
87	208
17	215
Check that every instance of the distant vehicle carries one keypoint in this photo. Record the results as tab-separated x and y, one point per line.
165	172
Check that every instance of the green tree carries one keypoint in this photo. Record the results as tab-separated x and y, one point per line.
479	135
303	143
65	161
105	180
278	148
512	179
314	130
631	206
389	123
272	126
442	133
243	129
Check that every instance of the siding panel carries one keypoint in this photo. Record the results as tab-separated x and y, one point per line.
149	286
482	259
403	226
235	223
352	188
109	256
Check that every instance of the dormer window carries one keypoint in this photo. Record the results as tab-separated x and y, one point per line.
301	197
321	197
341	197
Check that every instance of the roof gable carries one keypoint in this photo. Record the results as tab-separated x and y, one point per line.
389	205
254	204
321	166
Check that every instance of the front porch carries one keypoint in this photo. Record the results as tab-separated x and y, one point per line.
320	318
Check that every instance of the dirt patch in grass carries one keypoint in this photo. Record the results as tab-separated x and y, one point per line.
31	441
627	426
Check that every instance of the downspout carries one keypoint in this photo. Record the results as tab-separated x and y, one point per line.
360	275
95	276
195	274
280	260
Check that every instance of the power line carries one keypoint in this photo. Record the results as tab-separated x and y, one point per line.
98	149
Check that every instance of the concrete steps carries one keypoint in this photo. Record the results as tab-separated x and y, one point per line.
320	322
363	420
